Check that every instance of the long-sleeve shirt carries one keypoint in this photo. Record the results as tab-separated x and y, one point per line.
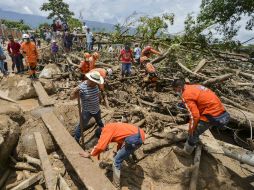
30	51
115	132
13	48
201	101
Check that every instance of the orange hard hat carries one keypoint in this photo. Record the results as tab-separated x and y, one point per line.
96	55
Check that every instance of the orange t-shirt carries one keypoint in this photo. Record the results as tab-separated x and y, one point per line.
30	50
201	101
84	67
150	68
115	132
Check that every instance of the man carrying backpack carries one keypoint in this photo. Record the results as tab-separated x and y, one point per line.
128	137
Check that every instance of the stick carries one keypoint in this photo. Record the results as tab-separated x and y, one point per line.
218	79
24	166
32	160
194	176
28	182
81	120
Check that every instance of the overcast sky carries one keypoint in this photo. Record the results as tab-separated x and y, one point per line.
113	11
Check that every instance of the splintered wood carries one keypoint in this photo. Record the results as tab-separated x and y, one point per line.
89	173
42	94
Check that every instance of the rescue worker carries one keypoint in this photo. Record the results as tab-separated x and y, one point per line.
150	71
126	58
29	52
128	137
85	65
89	95
205	109
105	73
148	51
92	60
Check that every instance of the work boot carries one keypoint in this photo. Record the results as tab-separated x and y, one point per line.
116	176
186	151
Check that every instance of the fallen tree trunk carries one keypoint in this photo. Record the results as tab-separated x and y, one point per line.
194	176
226	100
217	79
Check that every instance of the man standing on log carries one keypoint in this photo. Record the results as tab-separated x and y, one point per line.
205	109
128	137
90	95
126	58
29	51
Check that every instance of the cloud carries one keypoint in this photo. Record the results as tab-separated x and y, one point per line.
114	11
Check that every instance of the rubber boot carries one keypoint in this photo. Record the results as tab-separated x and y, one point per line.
116	176
186	151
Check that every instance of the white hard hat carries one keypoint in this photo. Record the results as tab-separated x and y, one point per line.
109	71
25	36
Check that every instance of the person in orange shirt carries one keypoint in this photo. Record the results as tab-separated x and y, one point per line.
128	137
148	51
84	66
29	51
205	109
151	74
92	60
105	73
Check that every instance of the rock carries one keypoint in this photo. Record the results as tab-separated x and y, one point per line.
48	85
27	144
9	108
9	133
49	70
18	87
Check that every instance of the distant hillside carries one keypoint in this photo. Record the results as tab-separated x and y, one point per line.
34	21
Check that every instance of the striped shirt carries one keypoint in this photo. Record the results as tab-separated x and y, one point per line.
89	98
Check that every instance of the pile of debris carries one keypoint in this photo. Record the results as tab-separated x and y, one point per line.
46	155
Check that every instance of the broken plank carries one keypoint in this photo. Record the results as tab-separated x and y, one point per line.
42	94
89	173
49	175
194	175
28	182
200	65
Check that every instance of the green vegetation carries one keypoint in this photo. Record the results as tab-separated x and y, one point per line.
57	9
15	24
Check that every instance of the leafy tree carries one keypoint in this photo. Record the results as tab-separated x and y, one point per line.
149	27
74	23
15	24
44	25
57	9
226	14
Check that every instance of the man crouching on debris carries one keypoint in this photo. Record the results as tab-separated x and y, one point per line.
205	109
128	137
90	95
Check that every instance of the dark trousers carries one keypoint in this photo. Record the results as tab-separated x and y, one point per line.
86	118
17	61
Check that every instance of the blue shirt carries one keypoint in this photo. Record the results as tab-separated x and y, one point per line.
89	98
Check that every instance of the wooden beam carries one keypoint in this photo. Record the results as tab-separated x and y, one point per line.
42	94
89	173
49	175
194	176
29	182
200	65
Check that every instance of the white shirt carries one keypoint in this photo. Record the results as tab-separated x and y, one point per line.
110	49
137	52
89	37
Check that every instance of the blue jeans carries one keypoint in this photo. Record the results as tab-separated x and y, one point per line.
218	121
122	155
126	69
86	118
2	67
89	46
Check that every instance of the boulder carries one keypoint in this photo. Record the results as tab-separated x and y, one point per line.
49	71
17	87
27	144
9	134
